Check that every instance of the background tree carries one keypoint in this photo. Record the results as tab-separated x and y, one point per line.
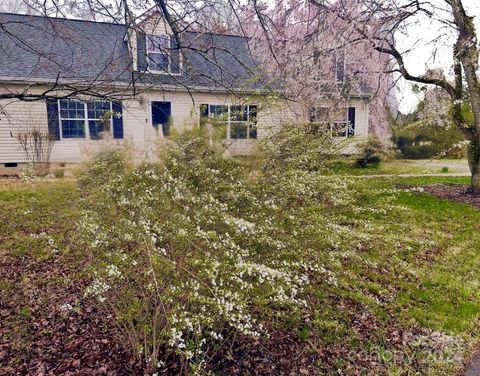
428	132
457	33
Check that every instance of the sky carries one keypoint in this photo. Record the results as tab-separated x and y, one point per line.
425	54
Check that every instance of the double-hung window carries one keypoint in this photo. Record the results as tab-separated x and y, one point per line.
158	53
240	122
79	119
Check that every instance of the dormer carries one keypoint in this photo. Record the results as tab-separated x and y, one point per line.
153	46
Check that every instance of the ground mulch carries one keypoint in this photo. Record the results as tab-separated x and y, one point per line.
48	328
455	192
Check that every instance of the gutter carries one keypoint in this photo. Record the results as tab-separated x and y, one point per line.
165	87
100	84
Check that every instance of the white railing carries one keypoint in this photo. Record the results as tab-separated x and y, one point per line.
338	129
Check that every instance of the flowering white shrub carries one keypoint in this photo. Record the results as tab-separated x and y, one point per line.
27	173
306	147
458	149
187	251
49	240
190	251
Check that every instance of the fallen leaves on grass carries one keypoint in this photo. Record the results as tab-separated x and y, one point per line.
48	328
455	192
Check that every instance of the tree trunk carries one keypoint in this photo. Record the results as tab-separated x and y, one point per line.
466	52
474	163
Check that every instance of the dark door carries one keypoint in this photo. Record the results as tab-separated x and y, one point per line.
161	112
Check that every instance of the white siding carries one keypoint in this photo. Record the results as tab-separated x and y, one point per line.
361	117
185	114
137	122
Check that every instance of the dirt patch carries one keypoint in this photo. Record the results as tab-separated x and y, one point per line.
9	183
455	192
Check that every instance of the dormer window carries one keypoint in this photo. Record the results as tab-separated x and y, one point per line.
158	53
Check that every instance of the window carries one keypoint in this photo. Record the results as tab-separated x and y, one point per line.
340	123
240	121
80	119
158	53
72	118
99	118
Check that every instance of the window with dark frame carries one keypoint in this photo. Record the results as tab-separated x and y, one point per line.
72	118
99	115
79	119
158	53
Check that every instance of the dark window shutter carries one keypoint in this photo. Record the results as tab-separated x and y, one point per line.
117	120
53	120
252	119
141	52
203	114
204	110
174	55
351	121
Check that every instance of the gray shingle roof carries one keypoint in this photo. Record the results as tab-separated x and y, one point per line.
42	48
39	48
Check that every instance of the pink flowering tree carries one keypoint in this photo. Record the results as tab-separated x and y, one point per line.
317	55
435	109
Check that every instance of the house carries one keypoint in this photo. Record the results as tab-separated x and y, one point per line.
137	82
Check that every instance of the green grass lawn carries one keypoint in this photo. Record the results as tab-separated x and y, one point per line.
448	298
415	271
